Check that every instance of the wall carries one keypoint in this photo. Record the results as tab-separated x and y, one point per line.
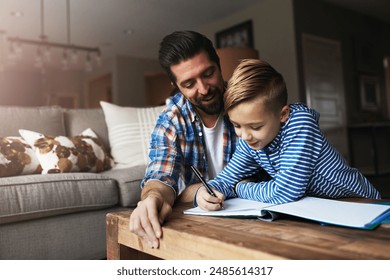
274	37
277	27
32	88
129	80
107	68
21	89
356	33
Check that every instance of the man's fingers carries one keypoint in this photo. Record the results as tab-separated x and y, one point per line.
137	228
148	226
142	220
165	211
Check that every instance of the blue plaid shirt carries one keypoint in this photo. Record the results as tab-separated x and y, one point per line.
177	142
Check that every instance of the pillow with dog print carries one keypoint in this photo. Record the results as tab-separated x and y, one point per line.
61	154
17	157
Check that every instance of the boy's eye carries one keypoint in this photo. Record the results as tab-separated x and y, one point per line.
256	127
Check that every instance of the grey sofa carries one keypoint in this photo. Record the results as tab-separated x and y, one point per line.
60	216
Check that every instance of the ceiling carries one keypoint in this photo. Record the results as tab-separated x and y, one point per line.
103	23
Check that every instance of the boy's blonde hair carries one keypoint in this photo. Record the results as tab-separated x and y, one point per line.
255	78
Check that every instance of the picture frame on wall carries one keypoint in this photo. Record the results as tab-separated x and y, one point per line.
240	35
369	93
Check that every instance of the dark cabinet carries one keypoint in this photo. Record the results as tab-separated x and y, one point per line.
370	148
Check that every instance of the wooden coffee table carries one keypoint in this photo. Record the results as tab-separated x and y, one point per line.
196	237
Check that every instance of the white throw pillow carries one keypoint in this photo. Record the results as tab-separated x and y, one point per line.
61	154
129	131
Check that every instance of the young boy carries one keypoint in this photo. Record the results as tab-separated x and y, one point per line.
284	140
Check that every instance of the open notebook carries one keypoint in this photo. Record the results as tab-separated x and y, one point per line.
325	211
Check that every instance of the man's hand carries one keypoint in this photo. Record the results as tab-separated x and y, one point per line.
208	202
151	212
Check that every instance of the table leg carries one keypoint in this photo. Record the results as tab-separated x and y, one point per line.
116	251
113	247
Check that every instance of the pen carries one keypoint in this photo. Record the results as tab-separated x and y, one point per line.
204	183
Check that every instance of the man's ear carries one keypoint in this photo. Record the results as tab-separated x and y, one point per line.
285	112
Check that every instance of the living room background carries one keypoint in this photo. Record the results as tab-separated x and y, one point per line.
278	27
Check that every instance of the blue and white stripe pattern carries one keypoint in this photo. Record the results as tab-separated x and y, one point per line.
300	161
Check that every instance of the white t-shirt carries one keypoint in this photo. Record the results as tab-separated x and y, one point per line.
214	138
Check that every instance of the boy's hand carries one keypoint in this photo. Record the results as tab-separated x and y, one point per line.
208	202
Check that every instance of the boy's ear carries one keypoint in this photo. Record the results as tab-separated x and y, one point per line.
284	113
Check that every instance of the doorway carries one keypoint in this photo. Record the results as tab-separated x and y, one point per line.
99	89
324	84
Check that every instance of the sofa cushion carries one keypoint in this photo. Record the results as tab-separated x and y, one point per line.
35	196
76	120
60	154
129	131
17	157
47	120
129	181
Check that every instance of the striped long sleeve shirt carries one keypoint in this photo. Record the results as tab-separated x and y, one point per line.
300	161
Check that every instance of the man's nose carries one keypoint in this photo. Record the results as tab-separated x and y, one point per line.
203	87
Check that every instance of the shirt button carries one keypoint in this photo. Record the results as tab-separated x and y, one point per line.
200	134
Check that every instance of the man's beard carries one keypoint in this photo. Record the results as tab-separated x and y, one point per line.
216	107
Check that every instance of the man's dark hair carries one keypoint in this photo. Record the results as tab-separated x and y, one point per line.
182	45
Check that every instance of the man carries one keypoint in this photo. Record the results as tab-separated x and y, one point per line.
192	130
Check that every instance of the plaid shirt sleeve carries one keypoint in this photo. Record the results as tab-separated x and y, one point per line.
164	155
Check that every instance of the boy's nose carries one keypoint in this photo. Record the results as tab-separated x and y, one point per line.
246	136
